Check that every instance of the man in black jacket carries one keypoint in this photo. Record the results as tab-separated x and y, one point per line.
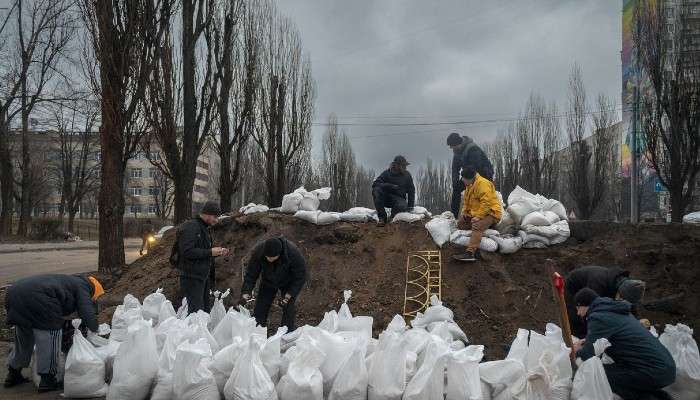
195	257
36	306
613	282
466	152
394	189
283	270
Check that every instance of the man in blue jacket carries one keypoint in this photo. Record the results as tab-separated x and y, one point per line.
642	365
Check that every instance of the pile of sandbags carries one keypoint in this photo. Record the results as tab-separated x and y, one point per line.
679	341
252	208
692	218
415	214
303	200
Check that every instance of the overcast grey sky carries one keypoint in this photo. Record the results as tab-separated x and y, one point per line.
408	61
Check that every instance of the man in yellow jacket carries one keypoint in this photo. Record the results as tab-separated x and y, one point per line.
481	210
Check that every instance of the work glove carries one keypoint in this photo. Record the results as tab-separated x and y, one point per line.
283	302
243	300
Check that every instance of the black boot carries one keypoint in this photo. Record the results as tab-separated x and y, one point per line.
14	377
49	383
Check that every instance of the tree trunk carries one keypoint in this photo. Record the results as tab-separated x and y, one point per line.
6	178
183	182
111	198
225	184
71	220
270	155
25	184
279	146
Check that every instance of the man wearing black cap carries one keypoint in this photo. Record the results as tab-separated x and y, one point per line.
641	366
394	189
195	257
466	153
612	282
283	270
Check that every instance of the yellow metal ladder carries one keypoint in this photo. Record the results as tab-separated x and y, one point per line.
423	279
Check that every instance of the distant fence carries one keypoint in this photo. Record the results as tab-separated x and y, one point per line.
87	229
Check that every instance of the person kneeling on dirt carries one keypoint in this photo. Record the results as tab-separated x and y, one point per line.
642	365
283	270
36	306
195	257
613	282
481	210
394	189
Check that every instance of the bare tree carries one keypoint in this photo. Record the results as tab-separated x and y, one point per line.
162	193
434	187
670	110
337	168
123	35
363	183
76	142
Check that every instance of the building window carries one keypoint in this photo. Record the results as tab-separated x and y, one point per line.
152	208
202	177
136	173
201	189
153	190
97	156
135	191
136	208
154	156
152	172
202	164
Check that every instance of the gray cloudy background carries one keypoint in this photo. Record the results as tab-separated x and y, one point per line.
411	61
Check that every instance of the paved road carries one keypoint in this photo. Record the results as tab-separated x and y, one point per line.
18	265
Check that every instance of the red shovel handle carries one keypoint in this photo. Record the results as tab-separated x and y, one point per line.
558	283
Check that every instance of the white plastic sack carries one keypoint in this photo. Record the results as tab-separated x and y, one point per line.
252	208
166	311
359	214
270	353
488	245
519	210
563	232
387	374
590	382
503	379
312	200
152	304
535	218
678	339
556	207
124	315
218	311
318	217
463	382
352	379
407	217
85	370
508	245
136	364
182	311
440	229
435	313
192	380
224	361
249	379
303	380
291	202
163	389
429	381
692	218
551	216
450	327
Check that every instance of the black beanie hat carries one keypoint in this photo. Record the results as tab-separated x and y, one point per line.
273	247
210	208
454	139
585	297
468	172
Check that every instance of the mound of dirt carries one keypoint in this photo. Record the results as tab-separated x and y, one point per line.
491	299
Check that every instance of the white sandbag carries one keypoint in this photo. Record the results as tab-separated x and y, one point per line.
407	217
327	218
590	382
199	322
303	380
506	224
488	245
531	237
678	339
124	315
163	389
422	210
455	332
429	381
548	232
463	382
520	194
85	369
359	214
151	305
309	202
361	325
234	324
218	311
435	313
492	233
556	207
308	216
192	380
249	380
182	311
387	373
291	202
460	237
440	229
166	311
135	365
352	379
337	349
224	361
252	208
106	350
535	218
563	232
507	244
692	218
519	209
551	216
270	353
504	379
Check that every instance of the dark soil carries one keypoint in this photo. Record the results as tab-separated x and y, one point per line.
491	299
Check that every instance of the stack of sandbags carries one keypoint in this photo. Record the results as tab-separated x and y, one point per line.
538	222
301	199
359	214
252	208
318	217
679	341
488	240
413	215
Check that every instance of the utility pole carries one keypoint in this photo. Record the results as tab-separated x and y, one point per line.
634	182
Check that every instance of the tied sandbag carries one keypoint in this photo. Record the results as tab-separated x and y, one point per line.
388	371
463	380
521	203
556	207
692	218
508	244
429	381
440	229
249	379
678	339
224	361
270	352
236	324
303	380
192	380
291	201
361	325
106	350
454	332
124	316
182	311
551	216
435	313
590	382
318	217
163	389
252	208
218	311
136	364
152	304
407	217
535	218
199	321
166	311
503	379
352	379
85	369
359	214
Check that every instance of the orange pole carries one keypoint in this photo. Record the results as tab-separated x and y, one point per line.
558	289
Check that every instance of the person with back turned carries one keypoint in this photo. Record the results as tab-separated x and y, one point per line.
466	153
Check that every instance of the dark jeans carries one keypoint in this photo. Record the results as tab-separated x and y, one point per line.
456	204
197	293
578	325
632	385
384	199
263	302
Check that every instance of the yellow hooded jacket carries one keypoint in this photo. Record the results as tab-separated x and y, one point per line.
480	199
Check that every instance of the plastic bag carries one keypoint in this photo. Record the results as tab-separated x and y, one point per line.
85	370
252	208
224	361
488	245
387	374
303	380
352	379
163	389
563	232
291	201
136	364
407	217
551	216
590	382
429	381
234	324
463	382
318	217
182	311
347	323
508	245
440	229
535	218
435	313
249	380
270	354
218	311
124	315
359	214
166	311
192	380
504	379
556	207
152	304
678	339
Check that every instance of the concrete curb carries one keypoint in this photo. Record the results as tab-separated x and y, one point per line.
61	248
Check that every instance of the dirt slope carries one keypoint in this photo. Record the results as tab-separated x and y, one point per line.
491	299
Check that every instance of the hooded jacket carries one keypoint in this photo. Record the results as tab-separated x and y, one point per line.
632	345
480	199
397	183
194	259
41	301
471	154
602	280
288	272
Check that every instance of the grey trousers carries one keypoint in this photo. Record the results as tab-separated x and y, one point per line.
48	346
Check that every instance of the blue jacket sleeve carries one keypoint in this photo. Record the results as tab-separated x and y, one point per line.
86	310
597	329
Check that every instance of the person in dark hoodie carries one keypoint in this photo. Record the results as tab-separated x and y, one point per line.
466	153
36	306
642	365
393	189
282	269
612	282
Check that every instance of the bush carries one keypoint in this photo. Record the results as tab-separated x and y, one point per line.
47	229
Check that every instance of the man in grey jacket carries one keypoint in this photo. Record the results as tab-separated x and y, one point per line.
466	153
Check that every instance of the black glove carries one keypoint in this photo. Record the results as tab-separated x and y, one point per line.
244	300
284	301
